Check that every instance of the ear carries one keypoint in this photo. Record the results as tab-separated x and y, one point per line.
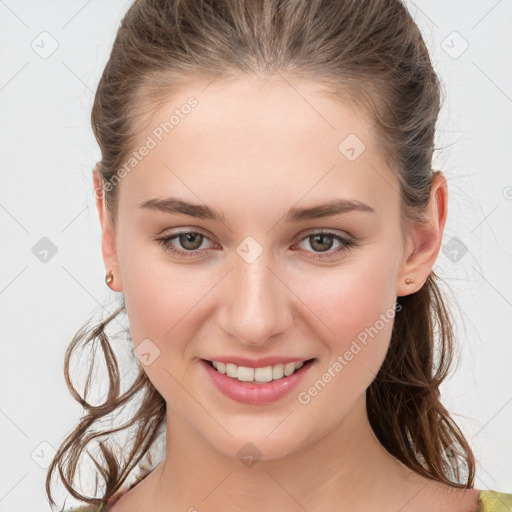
424	240
108	241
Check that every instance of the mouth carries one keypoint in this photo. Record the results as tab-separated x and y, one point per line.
270	387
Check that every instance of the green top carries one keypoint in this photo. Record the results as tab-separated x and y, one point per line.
490	501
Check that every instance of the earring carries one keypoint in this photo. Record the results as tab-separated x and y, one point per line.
409	281
109	278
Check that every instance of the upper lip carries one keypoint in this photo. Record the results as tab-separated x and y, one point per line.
260	362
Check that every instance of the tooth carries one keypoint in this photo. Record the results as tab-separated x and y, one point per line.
245	374
289	368
299	365
263	374
231	370
221	367
277	371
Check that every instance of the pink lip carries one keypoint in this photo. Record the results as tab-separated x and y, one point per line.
256	363
253	393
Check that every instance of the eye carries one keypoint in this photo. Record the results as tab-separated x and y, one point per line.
189	240
323	241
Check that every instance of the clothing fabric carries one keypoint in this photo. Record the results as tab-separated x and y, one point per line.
492	501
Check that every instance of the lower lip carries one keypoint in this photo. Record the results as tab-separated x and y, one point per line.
256	394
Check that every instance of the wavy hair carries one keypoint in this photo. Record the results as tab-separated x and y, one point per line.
370	54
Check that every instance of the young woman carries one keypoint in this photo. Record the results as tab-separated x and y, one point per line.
271	219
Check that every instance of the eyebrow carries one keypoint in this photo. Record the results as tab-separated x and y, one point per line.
327	209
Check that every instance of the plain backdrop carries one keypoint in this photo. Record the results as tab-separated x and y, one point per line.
52	55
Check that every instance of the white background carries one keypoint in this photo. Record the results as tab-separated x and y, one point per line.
48	151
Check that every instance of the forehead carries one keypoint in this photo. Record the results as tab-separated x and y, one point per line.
265	140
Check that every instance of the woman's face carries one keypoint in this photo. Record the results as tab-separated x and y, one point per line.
257	282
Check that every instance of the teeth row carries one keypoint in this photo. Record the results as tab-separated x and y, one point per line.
266	374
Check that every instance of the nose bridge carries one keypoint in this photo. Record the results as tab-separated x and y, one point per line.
255	302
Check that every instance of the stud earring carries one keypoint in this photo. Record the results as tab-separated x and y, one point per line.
109	278
409	281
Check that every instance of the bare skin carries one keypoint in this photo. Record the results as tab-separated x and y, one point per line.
254	148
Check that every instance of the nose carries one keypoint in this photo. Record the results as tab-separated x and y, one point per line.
255	302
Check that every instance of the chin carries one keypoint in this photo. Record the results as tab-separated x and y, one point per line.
259	447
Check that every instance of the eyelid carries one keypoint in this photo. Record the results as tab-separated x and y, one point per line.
326	231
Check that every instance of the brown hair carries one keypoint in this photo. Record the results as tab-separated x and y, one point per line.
370	54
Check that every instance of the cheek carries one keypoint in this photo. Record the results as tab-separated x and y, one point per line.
157	294
354	307
164	306
359	310
157	313
161	306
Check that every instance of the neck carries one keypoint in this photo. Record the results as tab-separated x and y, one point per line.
348	469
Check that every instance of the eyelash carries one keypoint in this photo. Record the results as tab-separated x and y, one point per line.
345	247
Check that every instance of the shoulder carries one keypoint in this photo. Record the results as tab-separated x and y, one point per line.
494	501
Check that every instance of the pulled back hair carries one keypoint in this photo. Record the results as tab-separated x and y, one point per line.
370	54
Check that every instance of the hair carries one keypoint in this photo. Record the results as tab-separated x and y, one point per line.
368	54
